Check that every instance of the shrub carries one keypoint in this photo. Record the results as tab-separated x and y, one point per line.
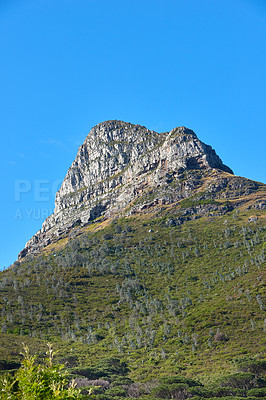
38	382
9	365
238	381
88	372
261	382
181	379
224	392
257	392
179	391
116	391
161	392
105	368
172	391
250	365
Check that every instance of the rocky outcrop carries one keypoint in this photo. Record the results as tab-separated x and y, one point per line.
113	168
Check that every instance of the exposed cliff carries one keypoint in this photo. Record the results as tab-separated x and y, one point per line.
115	166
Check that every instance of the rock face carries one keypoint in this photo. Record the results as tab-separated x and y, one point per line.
115	165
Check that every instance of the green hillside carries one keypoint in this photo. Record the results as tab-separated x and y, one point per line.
167	292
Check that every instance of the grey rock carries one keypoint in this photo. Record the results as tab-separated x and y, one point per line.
115	166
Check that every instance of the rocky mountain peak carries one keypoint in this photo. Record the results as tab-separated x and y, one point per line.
115	165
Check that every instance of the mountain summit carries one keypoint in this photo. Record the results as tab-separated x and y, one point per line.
124	168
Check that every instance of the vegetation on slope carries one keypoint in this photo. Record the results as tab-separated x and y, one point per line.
164	296
108	380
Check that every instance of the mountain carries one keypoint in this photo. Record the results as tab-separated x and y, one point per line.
119	162
154	255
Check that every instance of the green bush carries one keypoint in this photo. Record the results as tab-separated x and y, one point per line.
121	380
116	391
225	398
88	372
261	382
38	382
256	392
256	367
180	379
161	392
97	397
105	368
6	365
238	381
224	391
171	391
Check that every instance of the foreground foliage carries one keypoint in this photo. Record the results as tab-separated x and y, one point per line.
38	381
108	380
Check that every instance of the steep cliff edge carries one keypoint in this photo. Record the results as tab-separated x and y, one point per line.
116	165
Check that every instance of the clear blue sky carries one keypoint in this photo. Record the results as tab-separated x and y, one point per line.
67	65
